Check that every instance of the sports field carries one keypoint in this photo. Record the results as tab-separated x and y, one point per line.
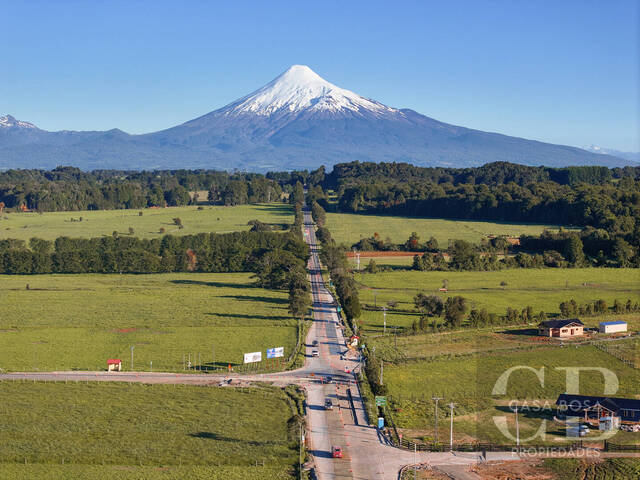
96	223
66	322
350	228
543	289
122	431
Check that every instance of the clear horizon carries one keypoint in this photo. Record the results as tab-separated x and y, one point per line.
565	74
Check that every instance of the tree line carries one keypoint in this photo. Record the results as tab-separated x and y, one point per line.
565	248
597	197
203	252
70	189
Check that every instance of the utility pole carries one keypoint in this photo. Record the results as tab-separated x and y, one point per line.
436	399
300	453
384	317
415	459
381	371
375	299
213	357
151	366
132	347
451	406
517	427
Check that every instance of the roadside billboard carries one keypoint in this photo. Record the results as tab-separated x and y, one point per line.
275	352
252	357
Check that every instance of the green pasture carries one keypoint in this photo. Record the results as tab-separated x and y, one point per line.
608	469
122	431
543	289
96	223
349	228
468	380
64	322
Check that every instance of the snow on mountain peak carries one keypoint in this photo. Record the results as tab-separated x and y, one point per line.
299	89
9	121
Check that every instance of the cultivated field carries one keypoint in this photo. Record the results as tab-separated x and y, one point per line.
121	431
98	223
349	228
66	322
543	289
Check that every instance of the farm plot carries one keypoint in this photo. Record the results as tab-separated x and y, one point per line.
347	228
62	322
542	289
114	430
469	380
153	223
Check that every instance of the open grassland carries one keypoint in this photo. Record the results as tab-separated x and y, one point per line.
595	469
349	228
468	381
475	375
121	431
543	289
79	321
97	223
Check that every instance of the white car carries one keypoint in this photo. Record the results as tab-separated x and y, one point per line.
315	353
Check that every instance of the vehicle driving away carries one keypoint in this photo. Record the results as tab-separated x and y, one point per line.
336	452
328	404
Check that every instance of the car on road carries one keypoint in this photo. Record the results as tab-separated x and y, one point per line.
315	353
329	379
315	343
328	404
336	452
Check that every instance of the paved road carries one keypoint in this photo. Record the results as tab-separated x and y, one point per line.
366	455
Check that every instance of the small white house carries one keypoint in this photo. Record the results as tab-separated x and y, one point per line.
613	327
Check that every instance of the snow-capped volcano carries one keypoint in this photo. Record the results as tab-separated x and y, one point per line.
301	89
296	121
8	121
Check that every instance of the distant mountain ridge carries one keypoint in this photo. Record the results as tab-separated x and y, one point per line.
297	121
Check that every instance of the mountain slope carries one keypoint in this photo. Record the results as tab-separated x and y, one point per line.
299	120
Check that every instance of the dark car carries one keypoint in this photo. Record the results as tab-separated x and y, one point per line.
328	404
329	379
314	343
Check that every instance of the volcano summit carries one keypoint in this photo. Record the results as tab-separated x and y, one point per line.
297	121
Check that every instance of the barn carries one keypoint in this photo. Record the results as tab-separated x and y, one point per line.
616	326
561	328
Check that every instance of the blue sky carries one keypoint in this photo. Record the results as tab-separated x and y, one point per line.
563	72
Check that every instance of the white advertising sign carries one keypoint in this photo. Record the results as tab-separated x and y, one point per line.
252	357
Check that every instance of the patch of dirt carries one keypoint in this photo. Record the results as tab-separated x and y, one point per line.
531	469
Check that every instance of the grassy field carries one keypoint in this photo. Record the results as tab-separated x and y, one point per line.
608	469
350	228
468	381
543	289
121	431
97	223
79	321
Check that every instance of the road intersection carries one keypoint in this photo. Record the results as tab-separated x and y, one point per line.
366	453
